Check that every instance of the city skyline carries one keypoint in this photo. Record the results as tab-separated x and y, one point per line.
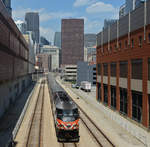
92	11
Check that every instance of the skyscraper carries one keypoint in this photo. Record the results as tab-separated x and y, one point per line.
7	3
32	20
22	26
44	41
72	41
89	40
122	11
129	6
57	39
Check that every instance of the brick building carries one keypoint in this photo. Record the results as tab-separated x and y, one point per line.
72	41
123	66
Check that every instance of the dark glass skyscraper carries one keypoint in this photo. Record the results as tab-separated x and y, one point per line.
72	41
32	20
57	39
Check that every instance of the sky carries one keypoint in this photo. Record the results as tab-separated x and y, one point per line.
52	11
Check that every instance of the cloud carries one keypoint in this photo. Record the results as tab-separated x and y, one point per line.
93	26
100	7
55	15
79	3
48	33
44	15
19	13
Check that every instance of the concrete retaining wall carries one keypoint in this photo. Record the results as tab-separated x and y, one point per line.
11	90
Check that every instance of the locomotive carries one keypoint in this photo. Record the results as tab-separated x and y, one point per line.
66	114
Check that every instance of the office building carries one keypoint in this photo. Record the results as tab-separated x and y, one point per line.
44	41
72	41
22	26
7	4
57	39
122	11
32	20
44	62
89	40
123	71
54	52
129	6
28	38
86	72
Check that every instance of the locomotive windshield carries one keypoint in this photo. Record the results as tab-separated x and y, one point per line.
67	115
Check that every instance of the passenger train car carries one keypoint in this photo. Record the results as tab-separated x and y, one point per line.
66	114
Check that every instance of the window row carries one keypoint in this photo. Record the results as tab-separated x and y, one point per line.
125	44
136	100
136	69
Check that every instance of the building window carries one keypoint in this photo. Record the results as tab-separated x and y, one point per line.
149	69
115	47
140	41
113	69
110	49
113	96
120	45
137	106
94	73
123	69
105	94
137	69
149	38
99	69
94	83
99	92
132	43
126	44
149	108
123	101
105	65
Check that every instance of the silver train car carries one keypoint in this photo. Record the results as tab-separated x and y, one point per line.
66	114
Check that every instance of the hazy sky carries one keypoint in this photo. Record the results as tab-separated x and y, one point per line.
52	11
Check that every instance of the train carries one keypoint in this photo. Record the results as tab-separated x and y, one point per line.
66	114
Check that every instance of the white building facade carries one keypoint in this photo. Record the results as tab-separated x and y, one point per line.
28	38
54	52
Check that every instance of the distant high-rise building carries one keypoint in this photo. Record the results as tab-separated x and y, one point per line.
57	39
22	26
72	41
44	41
129	6
89	40
32	20
122	11
108	22
7	3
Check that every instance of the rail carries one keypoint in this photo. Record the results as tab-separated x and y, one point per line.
35	137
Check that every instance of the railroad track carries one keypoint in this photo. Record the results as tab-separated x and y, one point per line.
101	139
34	137
68	144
